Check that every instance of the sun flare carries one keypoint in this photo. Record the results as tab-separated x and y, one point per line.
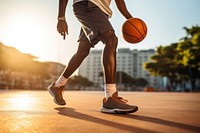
26	32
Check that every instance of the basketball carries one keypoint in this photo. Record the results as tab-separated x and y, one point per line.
134	30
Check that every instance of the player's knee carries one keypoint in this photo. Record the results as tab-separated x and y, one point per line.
115	42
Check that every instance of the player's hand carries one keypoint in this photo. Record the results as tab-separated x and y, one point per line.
62	28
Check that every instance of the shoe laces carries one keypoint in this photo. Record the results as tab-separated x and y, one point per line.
121	99
60	92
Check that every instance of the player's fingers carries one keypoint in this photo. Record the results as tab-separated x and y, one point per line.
67	30
64	36
59	31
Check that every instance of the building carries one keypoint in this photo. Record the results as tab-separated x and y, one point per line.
144	56
129	61
91	67
125	61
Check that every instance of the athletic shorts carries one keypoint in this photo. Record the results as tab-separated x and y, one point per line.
93	21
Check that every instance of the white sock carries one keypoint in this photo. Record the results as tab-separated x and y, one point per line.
110	89
61	81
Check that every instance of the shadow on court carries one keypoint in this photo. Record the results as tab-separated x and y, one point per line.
70	112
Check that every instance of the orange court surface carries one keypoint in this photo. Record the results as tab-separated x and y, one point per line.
161	112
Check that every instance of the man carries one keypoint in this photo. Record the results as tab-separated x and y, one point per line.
93	16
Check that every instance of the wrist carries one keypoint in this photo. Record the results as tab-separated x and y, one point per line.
61	18
129	17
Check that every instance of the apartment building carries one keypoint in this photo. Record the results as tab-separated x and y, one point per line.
144	56
91	67
125	61
129	61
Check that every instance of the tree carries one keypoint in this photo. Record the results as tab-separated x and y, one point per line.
164	64
179	61
79	80
141	82
124	78
189	51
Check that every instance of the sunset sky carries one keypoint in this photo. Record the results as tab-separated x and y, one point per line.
30	25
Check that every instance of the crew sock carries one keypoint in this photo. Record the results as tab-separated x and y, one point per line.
110	89
61	81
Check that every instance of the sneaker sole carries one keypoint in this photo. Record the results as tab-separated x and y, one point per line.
49	90
118	111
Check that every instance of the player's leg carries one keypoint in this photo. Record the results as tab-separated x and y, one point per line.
57	88
77	59
112	103
109	61
109	56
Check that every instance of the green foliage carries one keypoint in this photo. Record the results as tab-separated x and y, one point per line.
178	61
79	80
189	48
189	51
124	78
164	63
141	82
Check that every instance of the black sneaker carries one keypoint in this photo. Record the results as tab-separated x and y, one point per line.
57	93
117	105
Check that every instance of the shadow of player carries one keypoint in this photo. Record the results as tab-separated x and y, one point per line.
70	112
163	122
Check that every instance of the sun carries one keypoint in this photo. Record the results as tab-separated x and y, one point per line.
30	27
25	31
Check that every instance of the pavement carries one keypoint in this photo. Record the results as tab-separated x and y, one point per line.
35	112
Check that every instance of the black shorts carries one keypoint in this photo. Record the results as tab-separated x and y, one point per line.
93	21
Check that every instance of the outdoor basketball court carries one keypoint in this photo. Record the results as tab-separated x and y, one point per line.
34	111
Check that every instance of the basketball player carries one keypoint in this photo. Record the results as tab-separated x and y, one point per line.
93	16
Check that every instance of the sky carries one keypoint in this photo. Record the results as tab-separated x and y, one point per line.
30	25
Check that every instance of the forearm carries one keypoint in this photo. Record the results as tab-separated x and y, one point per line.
62	8
122	8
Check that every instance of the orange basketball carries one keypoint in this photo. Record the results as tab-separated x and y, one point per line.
134	30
